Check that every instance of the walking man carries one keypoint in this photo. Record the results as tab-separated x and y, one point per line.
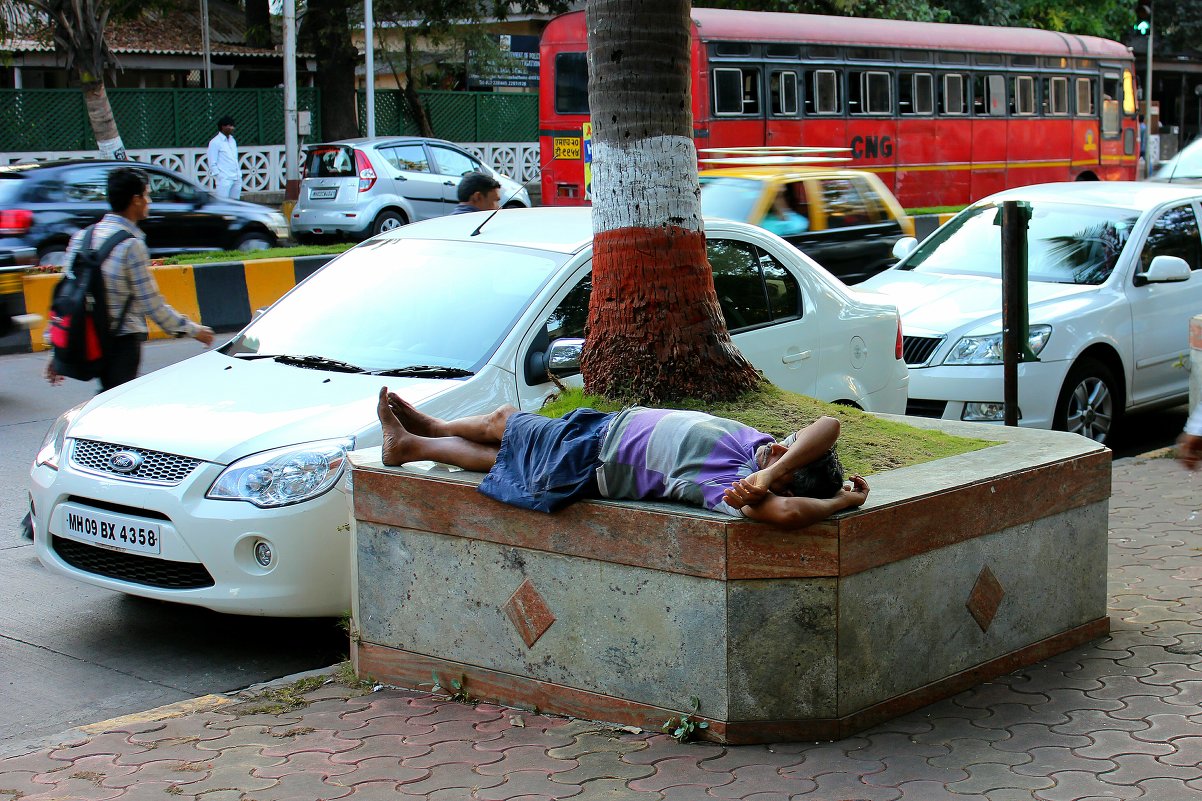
223	160
544	464
130	289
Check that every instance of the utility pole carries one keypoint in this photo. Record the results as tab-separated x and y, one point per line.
291	171
369	66
204	43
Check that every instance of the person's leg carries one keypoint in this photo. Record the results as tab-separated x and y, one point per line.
402	446
121	365
483	428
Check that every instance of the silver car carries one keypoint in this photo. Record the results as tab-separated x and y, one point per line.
357	188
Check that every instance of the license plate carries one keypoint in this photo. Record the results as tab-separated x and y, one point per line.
322	194
110	530
567	147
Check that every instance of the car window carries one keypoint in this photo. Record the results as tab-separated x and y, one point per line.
874	206
334	161
411	158
844	206
729	198
86	185
570	318
10	189
168	188
784	295
1175	233
452	162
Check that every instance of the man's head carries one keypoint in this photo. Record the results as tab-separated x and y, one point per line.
821	478
129	193
480	190
226	125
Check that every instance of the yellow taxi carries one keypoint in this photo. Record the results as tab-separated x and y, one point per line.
846	220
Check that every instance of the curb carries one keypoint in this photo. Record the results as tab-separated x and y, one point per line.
222	295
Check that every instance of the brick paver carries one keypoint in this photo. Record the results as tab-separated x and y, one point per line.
1118	718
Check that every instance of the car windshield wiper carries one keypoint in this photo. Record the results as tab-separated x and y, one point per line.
425	371
320	363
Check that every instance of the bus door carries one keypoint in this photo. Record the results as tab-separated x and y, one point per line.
1118	140
784	106
952	162
990	127
917	149
738	99
871	121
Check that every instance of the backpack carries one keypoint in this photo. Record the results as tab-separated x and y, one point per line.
80	331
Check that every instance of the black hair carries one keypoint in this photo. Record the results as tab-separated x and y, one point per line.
821	478
474	182
224	121
125	184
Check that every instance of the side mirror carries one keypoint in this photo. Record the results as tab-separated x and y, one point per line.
563	357
904	247
1165	270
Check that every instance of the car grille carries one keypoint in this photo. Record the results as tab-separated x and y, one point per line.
157	467
919	407
917	351
134	568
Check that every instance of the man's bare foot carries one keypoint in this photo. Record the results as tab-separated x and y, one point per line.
396	448
414	421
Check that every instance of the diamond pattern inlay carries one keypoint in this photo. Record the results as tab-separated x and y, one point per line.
985	598
529	613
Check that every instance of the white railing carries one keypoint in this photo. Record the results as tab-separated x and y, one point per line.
263	166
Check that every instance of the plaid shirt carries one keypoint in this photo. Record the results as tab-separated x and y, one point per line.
127	275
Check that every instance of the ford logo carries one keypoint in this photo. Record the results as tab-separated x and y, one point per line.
126	461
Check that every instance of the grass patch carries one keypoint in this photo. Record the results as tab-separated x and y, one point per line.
344	674
208	257
867	444
282	699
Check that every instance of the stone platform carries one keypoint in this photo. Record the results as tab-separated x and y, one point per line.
954	572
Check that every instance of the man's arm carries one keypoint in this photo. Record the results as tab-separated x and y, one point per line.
148	300
794	512
214	155
810	443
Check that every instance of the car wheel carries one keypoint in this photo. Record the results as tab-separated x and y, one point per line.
305	239
513	204
53	255
1089	403
254	240
387	221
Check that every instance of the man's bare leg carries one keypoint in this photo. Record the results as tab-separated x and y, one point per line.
483	428
402	446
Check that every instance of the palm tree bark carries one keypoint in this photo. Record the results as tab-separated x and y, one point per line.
325	31
655	332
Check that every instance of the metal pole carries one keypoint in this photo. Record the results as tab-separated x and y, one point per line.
1014	245
369	66
1148	88
291	170
204	39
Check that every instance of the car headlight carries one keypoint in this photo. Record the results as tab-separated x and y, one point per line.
56	438
284	475
988	349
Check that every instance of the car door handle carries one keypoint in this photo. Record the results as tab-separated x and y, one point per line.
448	183
796	356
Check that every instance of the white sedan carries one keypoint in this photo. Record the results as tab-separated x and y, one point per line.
1113	281
219	481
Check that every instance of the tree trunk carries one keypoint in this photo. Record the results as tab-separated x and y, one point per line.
655	330
412	98
258	23
326	32
79	38
104	126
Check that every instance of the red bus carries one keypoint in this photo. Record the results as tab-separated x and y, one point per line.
945	114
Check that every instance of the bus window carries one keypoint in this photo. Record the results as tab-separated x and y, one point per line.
1111	103
1085	97
783	87
571	83
1024	95
1055	96
954	100
869	92
916	93
736	91
989	95
823	97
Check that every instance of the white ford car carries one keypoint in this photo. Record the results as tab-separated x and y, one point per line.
1115	273
219	481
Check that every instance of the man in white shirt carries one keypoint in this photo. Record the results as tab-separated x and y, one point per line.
223	160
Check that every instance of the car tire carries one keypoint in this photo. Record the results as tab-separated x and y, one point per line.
1090	402
255	240
53	255
387	221
513	204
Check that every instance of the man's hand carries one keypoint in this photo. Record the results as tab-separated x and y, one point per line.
1189	451
204	336
53	377
858	492
745	492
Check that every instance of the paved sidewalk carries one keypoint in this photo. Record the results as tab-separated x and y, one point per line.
1119	718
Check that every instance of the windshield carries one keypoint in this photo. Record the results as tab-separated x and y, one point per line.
400	303
1066	243
729	198
1185	166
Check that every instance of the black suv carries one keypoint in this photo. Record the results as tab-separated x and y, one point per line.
43	204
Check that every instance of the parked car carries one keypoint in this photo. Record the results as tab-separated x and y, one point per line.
356	188
43	204
219	481
852	218
1113	281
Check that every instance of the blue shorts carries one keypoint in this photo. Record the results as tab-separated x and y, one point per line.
544	464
